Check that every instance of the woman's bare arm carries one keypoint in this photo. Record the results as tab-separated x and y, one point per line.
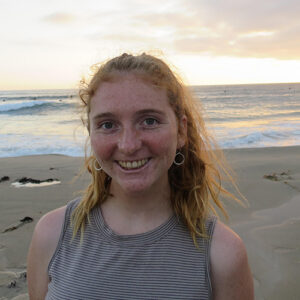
230	271
44	242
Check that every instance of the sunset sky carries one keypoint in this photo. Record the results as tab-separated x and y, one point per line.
51	44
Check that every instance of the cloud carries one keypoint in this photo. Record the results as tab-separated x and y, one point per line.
283	44
232	28
59	18
248	28
247	14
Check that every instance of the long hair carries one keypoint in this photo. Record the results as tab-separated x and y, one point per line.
196	185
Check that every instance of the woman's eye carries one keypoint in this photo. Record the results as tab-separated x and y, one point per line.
106	125
150	121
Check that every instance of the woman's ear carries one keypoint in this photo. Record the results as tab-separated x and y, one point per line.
182	132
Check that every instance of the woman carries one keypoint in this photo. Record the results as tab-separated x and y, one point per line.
144	228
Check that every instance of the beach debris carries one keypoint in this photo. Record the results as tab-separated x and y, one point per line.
282	176
26	220
273	177
22	222
14	280
37	181
4	178
12	284
23	275
30	182
279	176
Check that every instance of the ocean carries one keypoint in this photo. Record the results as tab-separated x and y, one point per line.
239	116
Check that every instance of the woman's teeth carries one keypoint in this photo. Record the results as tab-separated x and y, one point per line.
133	164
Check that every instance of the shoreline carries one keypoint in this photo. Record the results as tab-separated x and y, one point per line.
268	177
223	149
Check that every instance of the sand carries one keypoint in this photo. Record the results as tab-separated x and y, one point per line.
268	177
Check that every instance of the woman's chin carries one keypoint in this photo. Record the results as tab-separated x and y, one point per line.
131	187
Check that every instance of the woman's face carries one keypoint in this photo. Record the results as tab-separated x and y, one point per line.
134	134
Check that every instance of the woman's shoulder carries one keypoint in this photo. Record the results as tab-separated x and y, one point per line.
225	239
47	230
230	271
43	244
51	223
54	218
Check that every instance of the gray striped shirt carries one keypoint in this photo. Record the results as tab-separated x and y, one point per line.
160	264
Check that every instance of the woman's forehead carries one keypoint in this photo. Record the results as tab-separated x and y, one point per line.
127	84
134	75
129	94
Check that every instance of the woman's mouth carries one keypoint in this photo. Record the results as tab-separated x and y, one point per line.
135	164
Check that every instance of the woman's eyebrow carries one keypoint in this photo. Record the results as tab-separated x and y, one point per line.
138	113
150	111
103	115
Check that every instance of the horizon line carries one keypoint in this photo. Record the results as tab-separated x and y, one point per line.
191	85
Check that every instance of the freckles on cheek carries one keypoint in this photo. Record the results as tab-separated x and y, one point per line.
103	149
163	144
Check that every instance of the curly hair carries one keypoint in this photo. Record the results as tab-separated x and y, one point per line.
196	185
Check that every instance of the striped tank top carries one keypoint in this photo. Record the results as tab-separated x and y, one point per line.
160	264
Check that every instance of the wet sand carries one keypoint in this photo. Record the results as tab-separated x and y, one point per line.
268	177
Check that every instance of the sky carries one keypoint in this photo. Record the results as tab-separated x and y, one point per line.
52	44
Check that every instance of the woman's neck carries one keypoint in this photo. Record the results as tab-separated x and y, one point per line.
129	213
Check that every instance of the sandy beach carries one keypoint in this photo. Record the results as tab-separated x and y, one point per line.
268	177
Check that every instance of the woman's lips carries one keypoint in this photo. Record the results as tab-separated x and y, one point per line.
134	164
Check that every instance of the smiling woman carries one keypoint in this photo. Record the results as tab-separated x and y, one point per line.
134	134
145	227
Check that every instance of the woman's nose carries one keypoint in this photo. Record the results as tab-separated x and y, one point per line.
129	141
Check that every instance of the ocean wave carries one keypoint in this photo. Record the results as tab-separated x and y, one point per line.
262	139
31	144
31	107
35	97
74	151
237	118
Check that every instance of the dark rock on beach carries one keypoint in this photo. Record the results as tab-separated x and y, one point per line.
19	224
12	284
4	178
24	180
26	220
